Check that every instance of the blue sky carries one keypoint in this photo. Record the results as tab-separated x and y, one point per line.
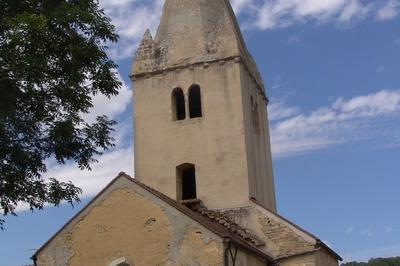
331	69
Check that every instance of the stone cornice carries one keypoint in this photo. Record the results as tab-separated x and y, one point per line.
205	64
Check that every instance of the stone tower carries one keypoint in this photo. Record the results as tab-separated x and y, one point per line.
200	116
201	138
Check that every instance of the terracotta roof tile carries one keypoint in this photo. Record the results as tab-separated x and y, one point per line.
228	223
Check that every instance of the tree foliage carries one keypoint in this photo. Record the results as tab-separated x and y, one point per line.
52	62
376	262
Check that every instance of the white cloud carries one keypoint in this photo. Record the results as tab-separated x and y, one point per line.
239	5
343	121
131	19
283	13
91	182
109	164
120	158
384	102
381	69
353	9
108	167
367	232
388	229
112	162
388	11
350	230
115	3
278	110
111	107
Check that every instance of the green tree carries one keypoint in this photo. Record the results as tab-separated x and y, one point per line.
395	261
52	62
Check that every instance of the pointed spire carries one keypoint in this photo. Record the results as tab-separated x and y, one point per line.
147	38
147	41
144	57
196	31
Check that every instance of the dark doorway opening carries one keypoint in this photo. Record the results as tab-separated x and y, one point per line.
189	184
186	182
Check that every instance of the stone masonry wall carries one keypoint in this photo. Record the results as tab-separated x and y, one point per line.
136	228
302	260
281	235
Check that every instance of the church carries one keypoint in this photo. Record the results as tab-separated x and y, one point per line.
203	190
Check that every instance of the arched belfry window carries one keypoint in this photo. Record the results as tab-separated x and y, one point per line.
195	101
178	104
186	182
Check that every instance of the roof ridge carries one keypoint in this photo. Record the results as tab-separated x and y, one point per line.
319	242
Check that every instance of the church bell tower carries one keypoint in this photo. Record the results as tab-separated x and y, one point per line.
200	117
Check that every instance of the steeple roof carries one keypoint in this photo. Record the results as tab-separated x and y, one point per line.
194	31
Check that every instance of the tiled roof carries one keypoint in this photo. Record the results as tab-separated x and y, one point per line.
233	227
282	233
224	226
214	221
211	224
288	242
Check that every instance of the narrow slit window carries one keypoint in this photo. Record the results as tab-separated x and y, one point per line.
254	114
195	101
186	182
178	104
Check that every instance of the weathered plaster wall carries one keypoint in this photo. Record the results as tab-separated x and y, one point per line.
214	143
105	233
199	42
285	238
232	160
258	147
302	260
323	258
317	258
198	250
128	223
282	239
245	258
